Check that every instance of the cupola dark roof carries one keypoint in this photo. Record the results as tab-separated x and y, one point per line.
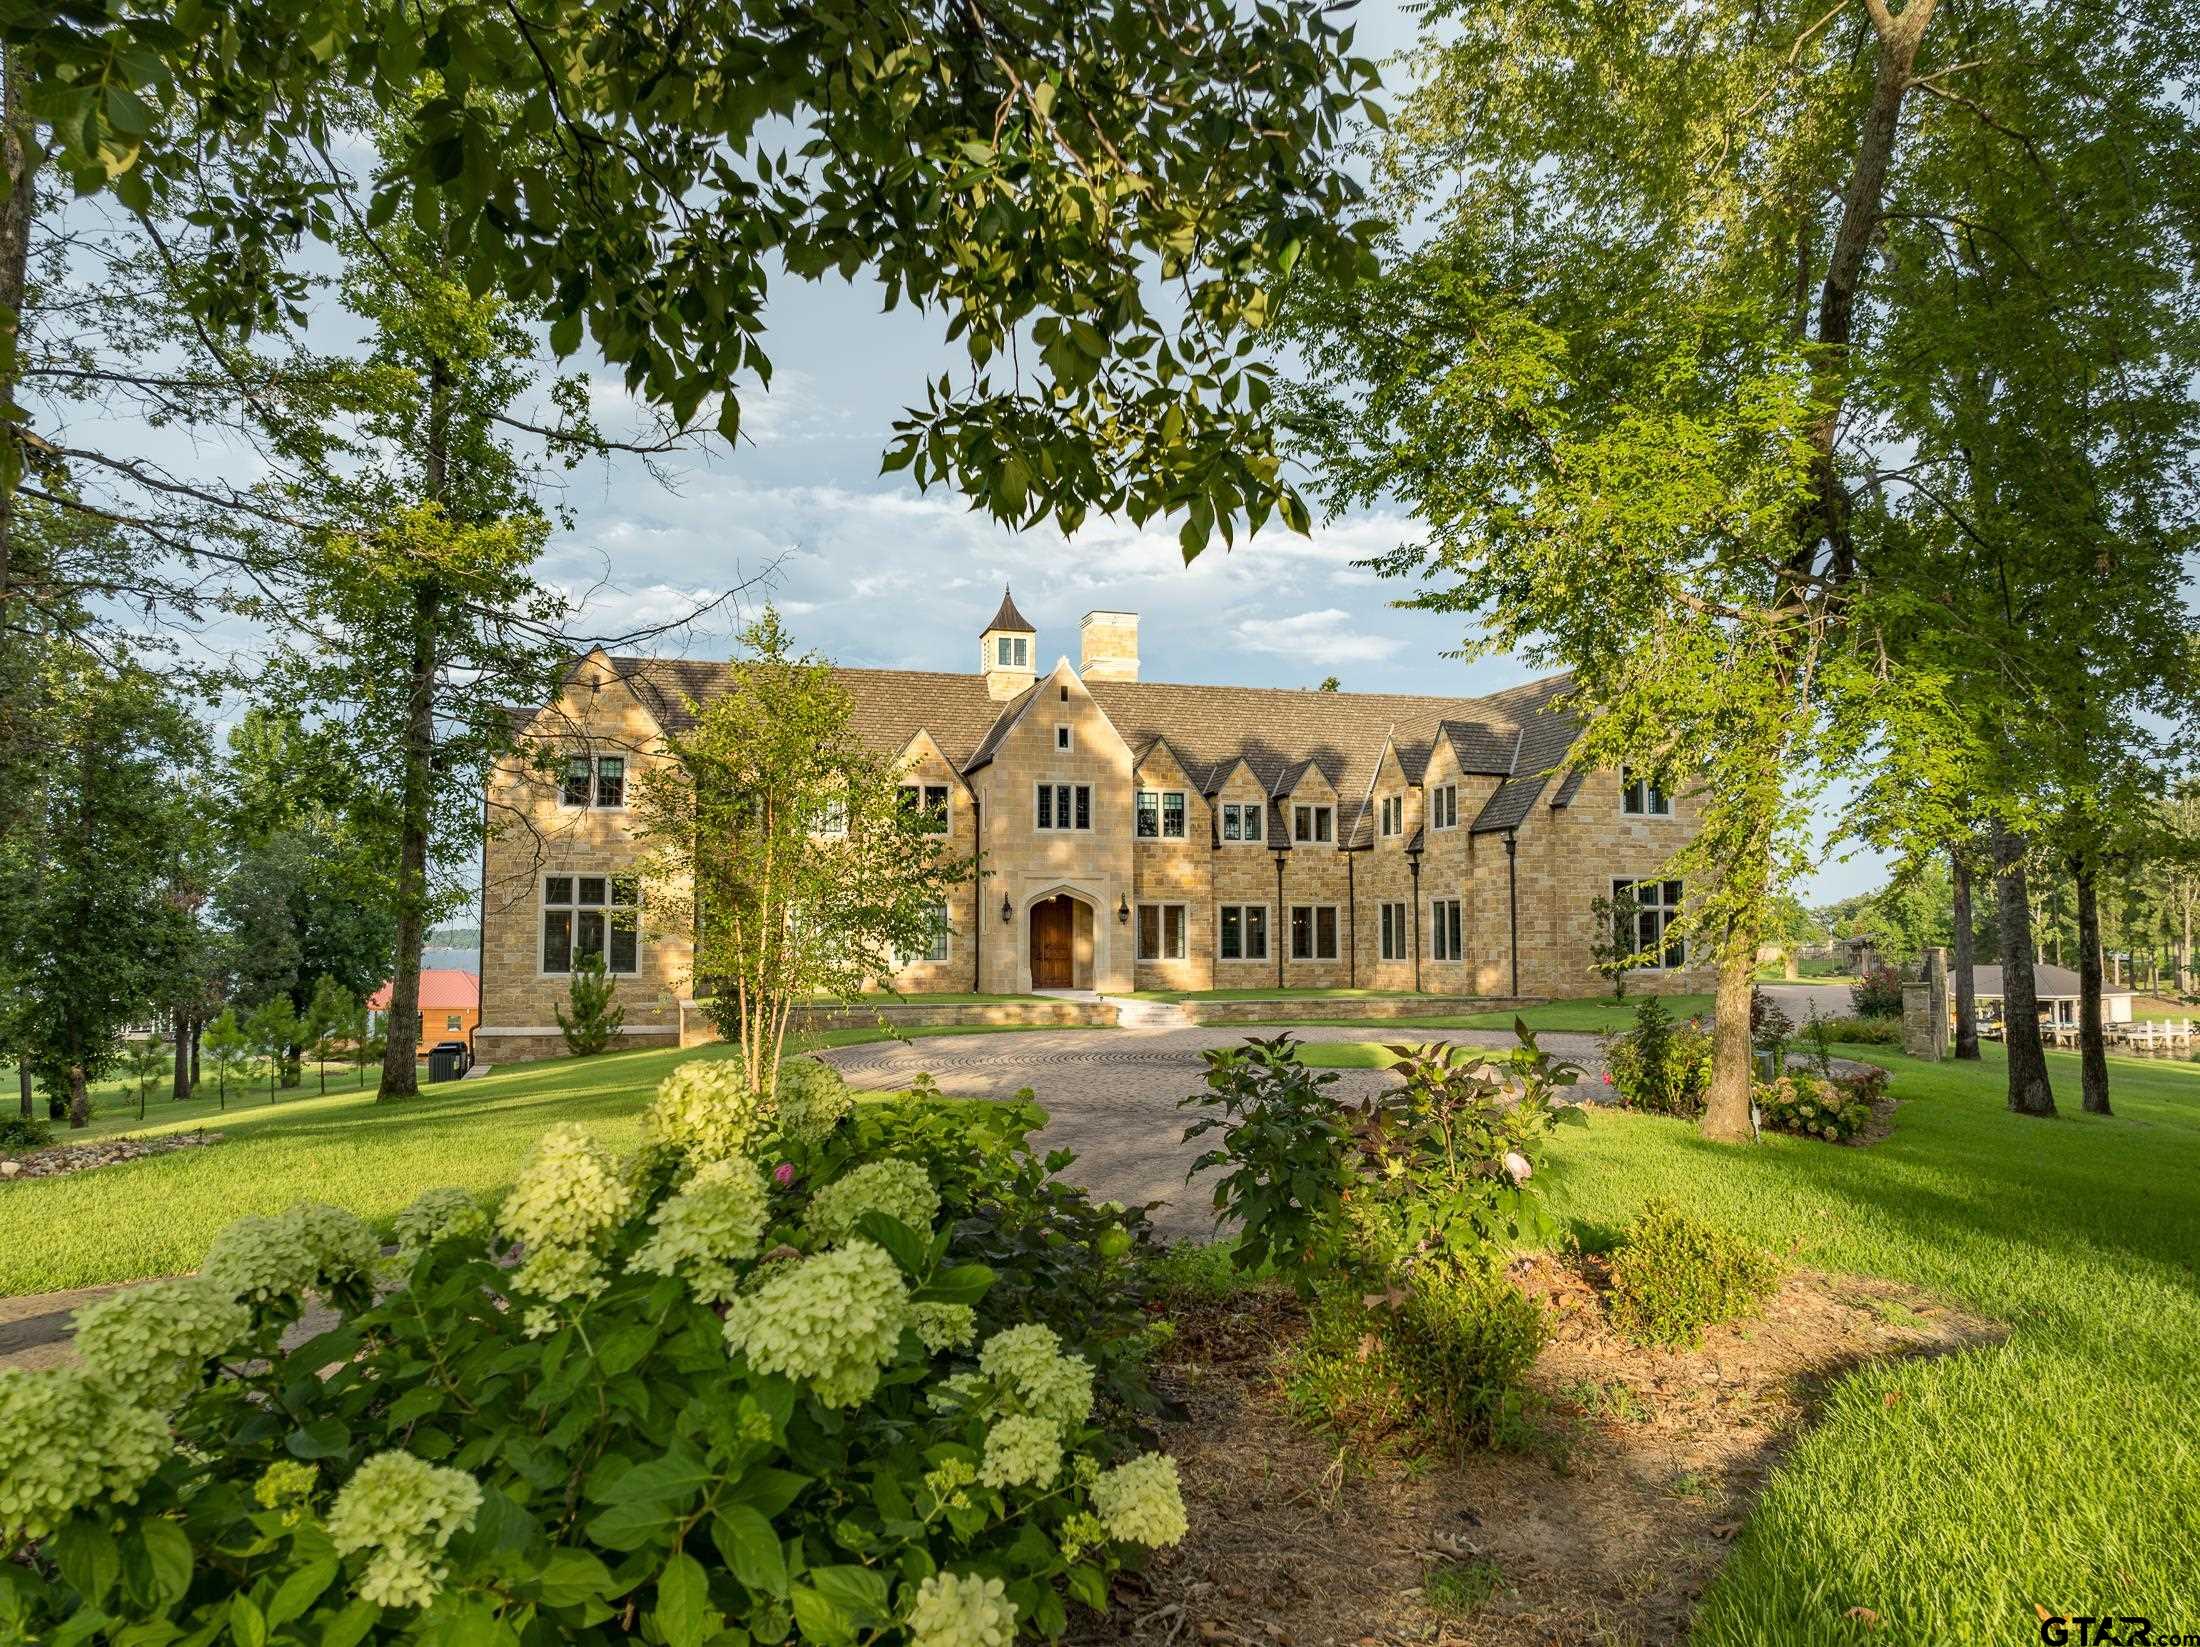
1008	617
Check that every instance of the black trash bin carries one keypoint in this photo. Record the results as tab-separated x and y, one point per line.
446	1060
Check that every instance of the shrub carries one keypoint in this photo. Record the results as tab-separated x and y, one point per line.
1285	1153
24	1132
694	1412
1439	1355
1658	1065
1811	1108
1674	1275
597	1015
1878	993
1769	1026
1868	1084
1873	1032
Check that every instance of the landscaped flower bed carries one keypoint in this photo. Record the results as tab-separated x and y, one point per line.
858	1374
57	1159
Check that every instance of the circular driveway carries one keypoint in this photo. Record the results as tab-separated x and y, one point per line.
1111	1094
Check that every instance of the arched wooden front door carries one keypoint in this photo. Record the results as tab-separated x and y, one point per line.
1053	944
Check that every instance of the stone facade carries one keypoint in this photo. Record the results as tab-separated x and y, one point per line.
1458	814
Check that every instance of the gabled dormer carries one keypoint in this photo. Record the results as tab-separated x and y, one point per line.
1007	649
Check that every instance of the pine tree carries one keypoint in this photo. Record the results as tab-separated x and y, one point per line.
597	1014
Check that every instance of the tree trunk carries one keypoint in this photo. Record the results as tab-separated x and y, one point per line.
19	157
1726	1104
198	1028
400	1073
2092	1043
80	1098
23	1085
1966	982
2029	1091
180	1083
2184	950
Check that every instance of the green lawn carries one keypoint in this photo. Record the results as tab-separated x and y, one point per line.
1272	994
1592	1016
155	1217
921	998
1949	1496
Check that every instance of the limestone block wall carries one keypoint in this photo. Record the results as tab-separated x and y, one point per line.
532	834
922	763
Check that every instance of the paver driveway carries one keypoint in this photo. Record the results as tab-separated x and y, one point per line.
1111	1094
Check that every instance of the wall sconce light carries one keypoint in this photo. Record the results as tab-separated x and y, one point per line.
1123	909
1008	910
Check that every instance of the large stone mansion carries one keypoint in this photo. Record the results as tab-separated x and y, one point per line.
1129	835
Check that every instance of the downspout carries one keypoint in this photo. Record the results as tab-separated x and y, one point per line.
1280	933
481	930
1413	862
1351	927
1512	902
977	895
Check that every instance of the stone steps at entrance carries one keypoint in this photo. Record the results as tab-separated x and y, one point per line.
1130	1014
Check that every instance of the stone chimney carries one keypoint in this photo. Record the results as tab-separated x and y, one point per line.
1007	651
1108	646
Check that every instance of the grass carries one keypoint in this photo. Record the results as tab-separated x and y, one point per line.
946	997
1950	1496
155	1217
1271	994
1596	1017
1455	1589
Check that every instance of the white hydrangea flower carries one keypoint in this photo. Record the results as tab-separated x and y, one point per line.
311	1247
945	1326
962	1610
900	1189
1021	1452
704	1111
713	1223
1142	1502
831	1321
156	1340
1028	1361
66	1441
403	1510
438	1215
812	1098
569	1195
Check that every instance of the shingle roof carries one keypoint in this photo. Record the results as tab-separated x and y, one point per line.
1278	732
1008	617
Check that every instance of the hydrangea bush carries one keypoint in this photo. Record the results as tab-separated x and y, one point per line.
769	1379
1812	1108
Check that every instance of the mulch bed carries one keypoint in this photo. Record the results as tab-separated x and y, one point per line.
57	1159
1607	1529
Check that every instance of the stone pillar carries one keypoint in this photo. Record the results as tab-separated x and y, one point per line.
1925	1021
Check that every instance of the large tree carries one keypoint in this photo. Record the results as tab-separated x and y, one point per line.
1644	361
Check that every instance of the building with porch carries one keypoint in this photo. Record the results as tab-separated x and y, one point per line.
1129	835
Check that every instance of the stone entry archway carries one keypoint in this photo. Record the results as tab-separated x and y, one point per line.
1060	938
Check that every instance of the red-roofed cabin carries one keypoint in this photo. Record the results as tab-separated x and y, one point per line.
450	1006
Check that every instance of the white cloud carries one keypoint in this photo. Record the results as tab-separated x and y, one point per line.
1329	636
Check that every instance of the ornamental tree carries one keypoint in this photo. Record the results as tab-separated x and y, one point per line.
786	845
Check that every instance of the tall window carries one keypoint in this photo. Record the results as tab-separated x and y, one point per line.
1314	823
937	949
1161	814
1161	932
584	915
929	800
1641	797
597	782
1657	907
1065	806
832	820
1443	806
1241	820
1313	932
1444	931
1011	652
1243	932
1064	739
1395	935
1394	814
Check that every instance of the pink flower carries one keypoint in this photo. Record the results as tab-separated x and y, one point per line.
783	1174
1517	1165
1607	1077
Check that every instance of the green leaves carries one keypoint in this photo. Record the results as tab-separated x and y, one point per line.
745	1539
683	1612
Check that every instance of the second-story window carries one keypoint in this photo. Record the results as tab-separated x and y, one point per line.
1394	815
832	820
1314	824
1064	806
597	782
1443	806
929	800
1065	739
1641	797
1161	814
1241	820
